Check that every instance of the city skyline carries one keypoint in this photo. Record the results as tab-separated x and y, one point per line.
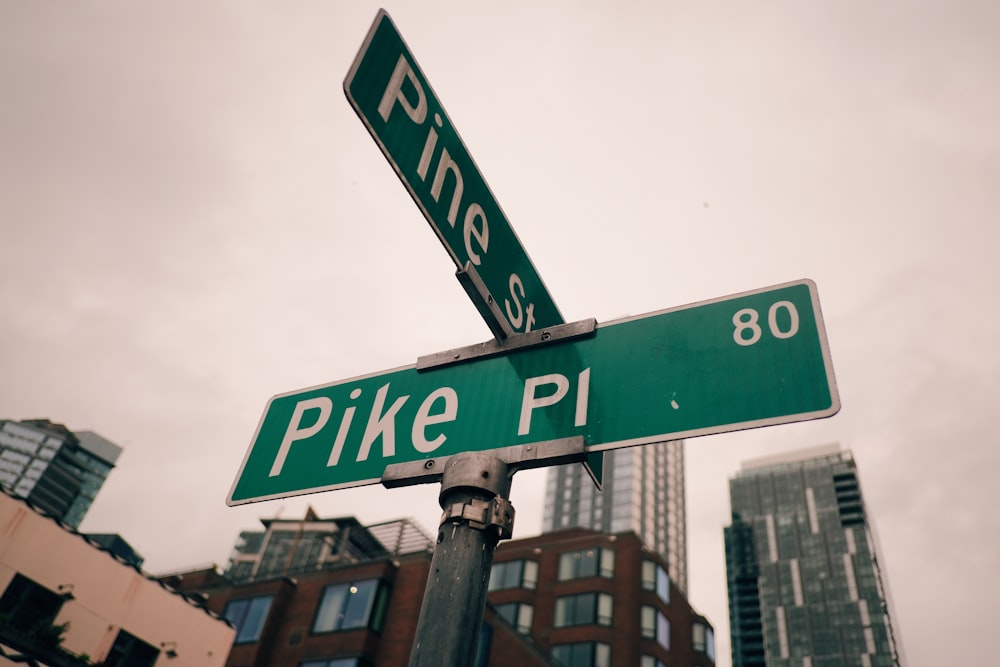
195	220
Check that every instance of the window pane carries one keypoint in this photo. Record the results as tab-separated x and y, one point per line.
648	575
518	614
662	584
583	609
698	637
26	603
377	618
347	606
573	655
566	566
130	651
330	608
662	630
607	563
248	616
648	622
586	609
605	604
483	645
495	577
562	612
584	654
525	616
253	625
360	597
514	574
530	574
602	655
508	612
586	563
235	611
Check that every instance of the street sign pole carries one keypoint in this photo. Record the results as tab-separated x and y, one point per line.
477	515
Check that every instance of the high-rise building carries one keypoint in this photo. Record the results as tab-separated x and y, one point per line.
57	470
643	493
806	587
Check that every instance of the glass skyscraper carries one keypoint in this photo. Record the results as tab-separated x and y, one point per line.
57	470
643	493
805	583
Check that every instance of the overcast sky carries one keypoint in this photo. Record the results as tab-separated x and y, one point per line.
193	219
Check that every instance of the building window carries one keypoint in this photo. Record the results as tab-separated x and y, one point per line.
583	609
654	625
248	617
587	563
27	606
654	578
514	574
519	614
130	651
483	646
582	654
650	661
359	604
335	662
703	640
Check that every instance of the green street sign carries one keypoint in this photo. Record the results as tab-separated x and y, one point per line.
754	359
394	100
392	97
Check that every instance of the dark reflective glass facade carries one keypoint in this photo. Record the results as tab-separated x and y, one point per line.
805	588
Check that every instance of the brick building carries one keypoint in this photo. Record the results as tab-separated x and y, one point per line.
590	598
333	593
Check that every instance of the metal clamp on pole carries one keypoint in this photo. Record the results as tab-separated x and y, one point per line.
517	457
497	513
477	515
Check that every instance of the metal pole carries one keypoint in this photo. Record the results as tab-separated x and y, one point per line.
477	515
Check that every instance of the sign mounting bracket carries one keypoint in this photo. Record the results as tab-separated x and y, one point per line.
492	348
484	302
518	457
